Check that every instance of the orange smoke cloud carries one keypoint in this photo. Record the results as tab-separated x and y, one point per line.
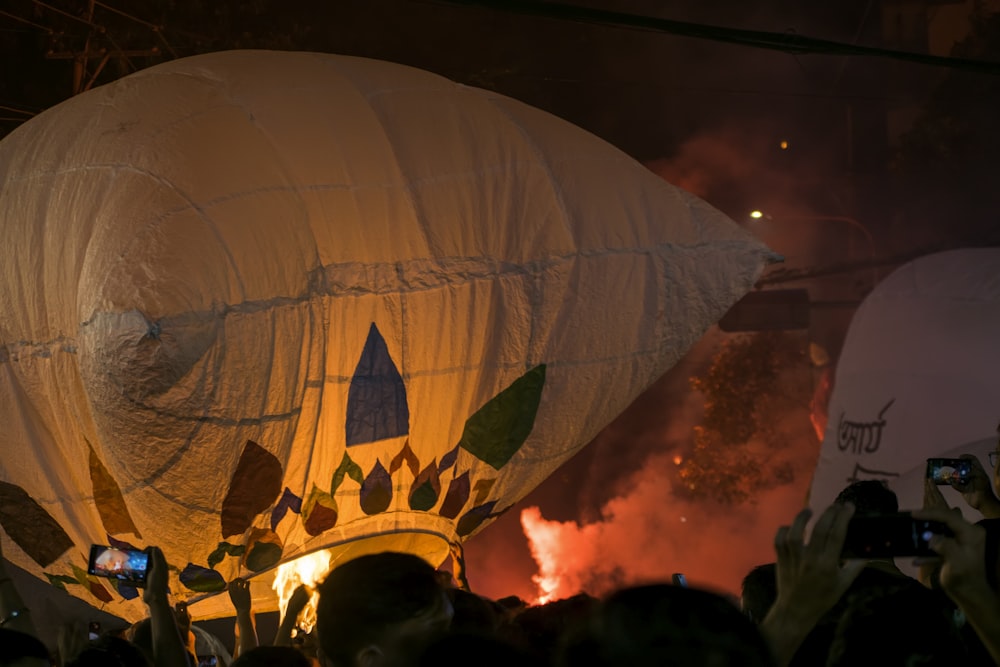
646	530
648	533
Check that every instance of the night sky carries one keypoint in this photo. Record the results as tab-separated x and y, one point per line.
708	116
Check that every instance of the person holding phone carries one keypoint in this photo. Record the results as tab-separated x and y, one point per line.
979	491
964	575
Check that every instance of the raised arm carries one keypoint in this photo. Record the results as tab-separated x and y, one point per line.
811	578
298	601
168	646
246	629
963	575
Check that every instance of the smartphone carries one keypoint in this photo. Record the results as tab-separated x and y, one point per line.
128	566
890	535
679	580
946	471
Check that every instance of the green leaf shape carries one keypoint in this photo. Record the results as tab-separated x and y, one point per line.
426	489
263	550
224	549
60	580
347	468
498	429
202	579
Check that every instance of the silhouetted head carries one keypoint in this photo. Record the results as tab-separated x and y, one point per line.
474	614
660	624
273	656
380	610
759	591
902	624
468	649
19	649
541	630
869	496
110	651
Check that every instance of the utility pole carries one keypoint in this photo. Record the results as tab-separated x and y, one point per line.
80	61
82	79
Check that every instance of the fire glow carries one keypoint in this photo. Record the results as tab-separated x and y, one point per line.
308	570
544	540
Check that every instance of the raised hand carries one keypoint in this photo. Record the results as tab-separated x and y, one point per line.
978	491
964	574
246	628
811	577
239	594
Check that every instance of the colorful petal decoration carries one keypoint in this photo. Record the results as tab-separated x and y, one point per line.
255	485
30	526
426	489
448	460
319	513
405	454
91	584
288	501
108	498
263	550
202	579
225	549
376	491
100	592
60	580
498	429
457	496
482	490
346	468
473	518
376	400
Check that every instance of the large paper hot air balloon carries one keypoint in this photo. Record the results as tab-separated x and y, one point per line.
917	378
256	304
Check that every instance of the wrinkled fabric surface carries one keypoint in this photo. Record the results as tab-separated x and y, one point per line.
255	304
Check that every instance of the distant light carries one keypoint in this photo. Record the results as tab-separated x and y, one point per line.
684	519
784	145
756	215
678	460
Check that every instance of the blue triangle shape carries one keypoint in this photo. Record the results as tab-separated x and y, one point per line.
376	401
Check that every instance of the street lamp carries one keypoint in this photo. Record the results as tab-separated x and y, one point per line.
757	214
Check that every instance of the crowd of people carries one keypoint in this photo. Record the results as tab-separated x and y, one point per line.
810	607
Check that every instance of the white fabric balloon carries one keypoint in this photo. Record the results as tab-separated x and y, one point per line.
917	378
255	304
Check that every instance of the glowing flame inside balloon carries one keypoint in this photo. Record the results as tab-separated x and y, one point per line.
309	570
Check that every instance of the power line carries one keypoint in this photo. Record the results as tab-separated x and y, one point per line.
785	42
26	21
